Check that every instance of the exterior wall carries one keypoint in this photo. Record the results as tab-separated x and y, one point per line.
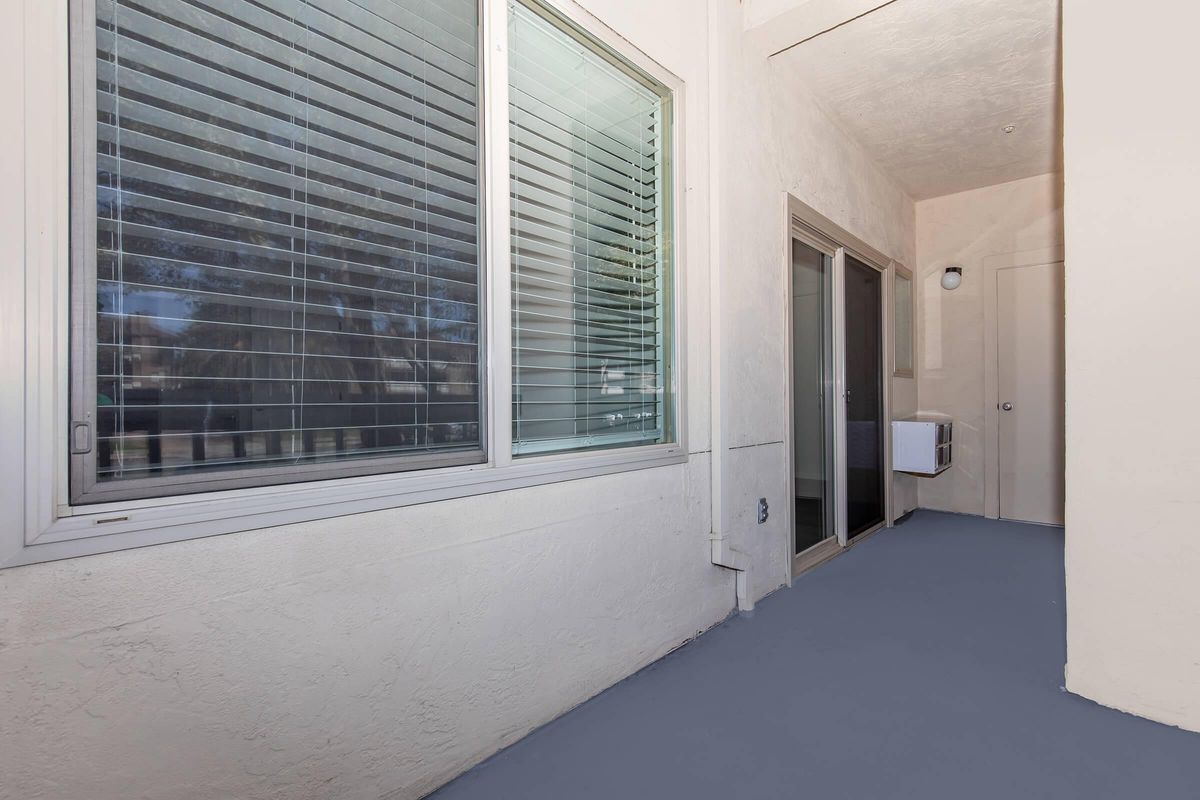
1133	375
824	168
368	654
759	11
956	331
775	139
378	653
386	652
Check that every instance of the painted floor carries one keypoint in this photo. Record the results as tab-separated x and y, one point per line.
926	663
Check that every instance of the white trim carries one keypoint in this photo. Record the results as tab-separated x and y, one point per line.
836	234
887	316
36	523
789	393
14	312
497	250
46	199
841	518
804	233
249	509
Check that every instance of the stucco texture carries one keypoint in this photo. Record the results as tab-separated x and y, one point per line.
368	654
956	330
382	654
774	138
1133	377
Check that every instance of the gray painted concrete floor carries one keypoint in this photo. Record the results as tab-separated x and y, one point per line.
926	662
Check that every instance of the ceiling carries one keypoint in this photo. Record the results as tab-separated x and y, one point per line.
928	86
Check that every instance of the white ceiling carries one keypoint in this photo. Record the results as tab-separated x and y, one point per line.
927	87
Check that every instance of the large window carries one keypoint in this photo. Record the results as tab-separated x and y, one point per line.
276	250
293	259
591	311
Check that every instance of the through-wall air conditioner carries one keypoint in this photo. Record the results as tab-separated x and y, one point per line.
922	444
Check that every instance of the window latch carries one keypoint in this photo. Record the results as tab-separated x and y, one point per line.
81	438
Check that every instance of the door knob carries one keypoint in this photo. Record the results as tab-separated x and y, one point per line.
1007	406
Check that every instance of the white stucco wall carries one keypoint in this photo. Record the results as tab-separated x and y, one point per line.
956	330
1133	375
386	652
376	653
775	139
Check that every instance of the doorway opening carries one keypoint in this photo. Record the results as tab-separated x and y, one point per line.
838	390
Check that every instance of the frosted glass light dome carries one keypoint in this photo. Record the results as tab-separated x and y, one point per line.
951	278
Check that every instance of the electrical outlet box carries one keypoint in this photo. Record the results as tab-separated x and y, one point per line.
764	510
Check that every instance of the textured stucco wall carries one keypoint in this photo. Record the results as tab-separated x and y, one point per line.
775	138
832	173
973	230
376	653
1133	374
379	653
386	652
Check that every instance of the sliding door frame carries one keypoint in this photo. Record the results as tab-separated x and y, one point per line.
809	226
883	268
799	231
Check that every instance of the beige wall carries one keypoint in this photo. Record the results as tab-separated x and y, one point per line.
1132	144
364	655
1002	225
386	652
775	139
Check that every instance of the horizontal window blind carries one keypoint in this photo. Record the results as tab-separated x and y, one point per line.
286	252
589	150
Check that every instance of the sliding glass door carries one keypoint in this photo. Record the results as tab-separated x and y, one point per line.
812	394
839	398
864	396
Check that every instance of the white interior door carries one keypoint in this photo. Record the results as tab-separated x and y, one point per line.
1030	350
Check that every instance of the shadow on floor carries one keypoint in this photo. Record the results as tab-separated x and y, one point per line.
924	663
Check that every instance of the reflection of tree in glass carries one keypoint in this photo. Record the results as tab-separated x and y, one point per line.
242	351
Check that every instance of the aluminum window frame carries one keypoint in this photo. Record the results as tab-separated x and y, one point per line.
84	487
557	15
37	520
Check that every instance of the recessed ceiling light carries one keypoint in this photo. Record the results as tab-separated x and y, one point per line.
1009	128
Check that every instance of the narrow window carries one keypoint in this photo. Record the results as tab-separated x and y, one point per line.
275	249
903	327
591	247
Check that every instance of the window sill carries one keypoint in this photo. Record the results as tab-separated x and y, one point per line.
80	531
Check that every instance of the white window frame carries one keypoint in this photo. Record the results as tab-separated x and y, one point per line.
901	272
37	523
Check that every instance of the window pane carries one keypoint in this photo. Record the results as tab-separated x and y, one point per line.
904	326
590	243
286	253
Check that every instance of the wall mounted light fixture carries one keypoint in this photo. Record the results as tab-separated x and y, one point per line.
951	278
